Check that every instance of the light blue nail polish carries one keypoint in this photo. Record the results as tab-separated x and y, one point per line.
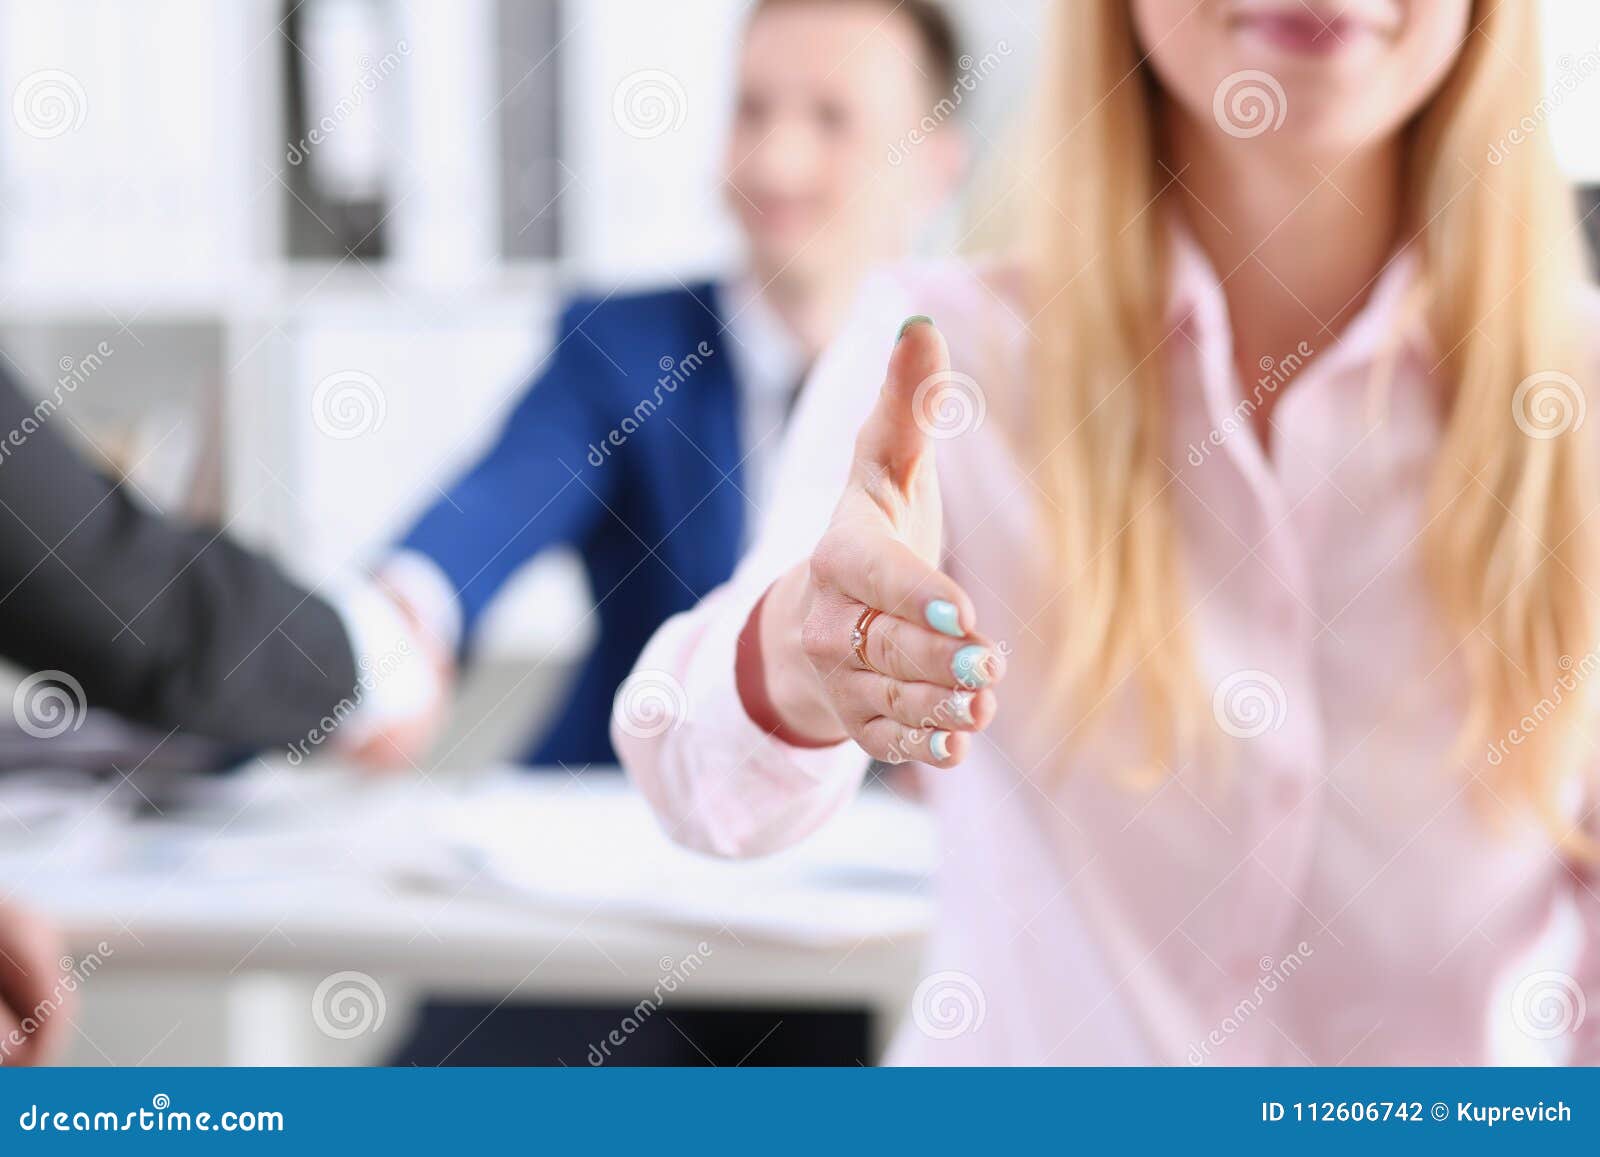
971	666
939	744
943	617
918	319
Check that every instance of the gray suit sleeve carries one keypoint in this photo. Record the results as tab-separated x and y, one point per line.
167	624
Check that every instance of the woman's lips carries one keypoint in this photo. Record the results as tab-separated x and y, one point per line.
1303	32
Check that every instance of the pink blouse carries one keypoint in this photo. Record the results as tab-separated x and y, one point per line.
1326	887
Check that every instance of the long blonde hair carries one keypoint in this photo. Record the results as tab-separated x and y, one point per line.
1507	545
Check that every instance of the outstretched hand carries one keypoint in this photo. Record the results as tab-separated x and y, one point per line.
927	681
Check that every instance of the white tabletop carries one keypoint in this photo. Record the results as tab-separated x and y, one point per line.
542	884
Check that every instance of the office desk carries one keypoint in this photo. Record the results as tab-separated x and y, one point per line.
285	879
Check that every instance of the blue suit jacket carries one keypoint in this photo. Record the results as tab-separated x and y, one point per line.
626	448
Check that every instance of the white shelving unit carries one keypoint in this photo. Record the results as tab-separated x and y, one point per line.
143	205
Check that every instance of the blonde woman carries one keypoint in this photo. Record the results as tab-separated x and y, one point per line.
1228	565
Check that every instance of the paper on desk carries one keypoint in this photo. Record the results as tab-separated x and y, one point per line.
864	876
60	821
246	829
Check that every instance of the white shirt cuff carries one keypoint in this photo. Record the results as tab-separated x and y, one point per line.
422	583
396	678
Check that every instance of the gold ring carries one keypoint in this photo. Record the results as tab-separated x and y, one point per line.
858	635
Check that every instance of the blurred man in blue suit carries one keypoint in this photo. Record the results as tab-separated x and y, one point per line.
646	437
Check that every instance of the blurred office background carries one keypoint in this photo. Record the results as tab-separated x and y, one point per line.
380	200
298	256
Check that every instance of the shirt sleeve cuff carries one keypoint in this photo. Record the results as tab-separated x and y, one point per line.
755	793
422	583
395	677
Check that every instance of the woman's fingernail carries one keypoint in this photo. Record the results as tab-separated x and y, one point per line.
939	744
971	666
960	705
943	617
918	319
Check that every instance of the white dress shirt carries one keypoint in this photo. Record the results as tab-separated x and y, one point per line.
768	363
